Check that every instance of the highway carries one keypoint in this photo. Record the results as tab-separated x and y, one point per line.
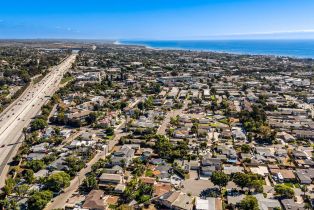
19	114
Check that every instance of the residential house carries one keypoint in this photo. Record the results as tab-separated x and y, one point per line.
261	170
208	203
95	200
123	157
209	165
266	203
176	200
305	176
290	204
282	175
161	189
78	117
106	180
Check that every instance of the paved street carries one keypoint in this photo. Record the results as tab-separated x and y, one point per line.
59	201
173	113
19	114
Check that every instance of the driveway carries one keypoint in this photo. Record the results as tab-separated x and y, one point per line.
195	187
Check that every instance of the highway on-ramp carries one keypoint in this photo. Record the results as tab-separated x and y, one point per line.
19	114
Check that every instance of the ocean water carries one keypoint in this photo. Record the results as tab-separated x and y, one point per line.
292	48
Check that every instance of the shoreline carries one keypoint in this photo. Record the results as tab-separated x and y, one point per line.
146	46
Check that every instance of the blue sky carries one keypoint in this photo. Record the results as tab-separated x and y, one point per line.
156	19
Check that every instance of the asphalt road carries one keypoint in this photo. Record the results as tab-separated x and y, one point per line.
172	113
19	114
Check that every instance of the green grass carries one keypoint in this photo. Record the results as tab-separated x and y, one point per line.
66	79
289	184
214	124
38	79
109	137
225	121
149	173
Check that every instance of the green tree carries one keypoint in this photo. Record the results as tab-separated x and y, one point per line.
148	103
141	105
25	76
8	204
194	128
5	203
220	178
90	183
266	134
130	189
14	205
248	180
35	165
241	179
75	164
91	118
257	185
110	131
9	186
21	190
28	175
245	148
39	200
174	120
56	182
60	118
250	137
139	168
38	124
284	191
163	146
203	145
248	203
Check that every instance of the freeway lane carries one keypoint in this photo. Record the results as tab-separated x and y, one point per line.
19	115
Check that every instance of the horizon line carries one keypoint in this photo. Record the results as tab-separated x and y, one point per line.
274	35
